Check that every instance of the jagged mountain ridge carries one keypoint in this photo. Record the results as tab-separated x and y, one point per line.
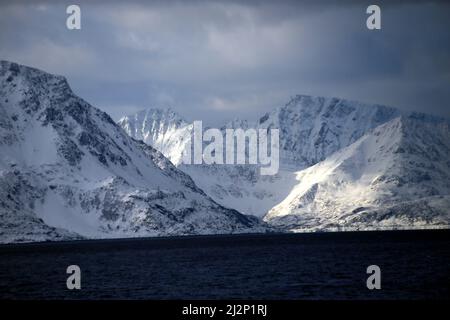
87	176
311	128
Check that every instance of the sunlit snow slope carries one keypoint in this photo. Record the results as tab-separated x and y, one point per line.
397	176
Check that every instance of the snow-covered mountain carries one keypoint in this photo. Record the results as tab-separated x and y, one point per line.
67	170
311	128
161	128
315	191
398	176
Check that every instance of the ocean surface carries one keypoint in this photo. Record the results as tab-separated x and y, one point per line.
414	265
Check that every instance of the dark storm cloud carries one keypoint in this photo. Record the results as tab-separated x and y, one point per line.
221	59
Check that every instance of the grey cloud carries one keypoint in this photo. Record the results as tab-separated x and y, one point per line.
223	59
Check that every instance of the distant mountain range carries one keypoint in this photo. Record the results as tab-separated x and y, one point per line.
344	166
68	171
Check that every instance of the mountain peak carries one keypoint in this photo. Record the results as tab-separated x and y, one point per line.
161	128
166	115
30	90
13	71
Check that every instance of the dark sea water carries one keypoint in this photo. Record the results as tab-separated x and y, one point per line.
414	265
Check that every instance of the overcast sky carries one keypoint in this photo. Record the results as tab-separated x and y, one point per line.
217	60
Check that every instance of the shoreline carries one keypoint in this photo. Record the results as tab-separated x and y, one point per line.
252	238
